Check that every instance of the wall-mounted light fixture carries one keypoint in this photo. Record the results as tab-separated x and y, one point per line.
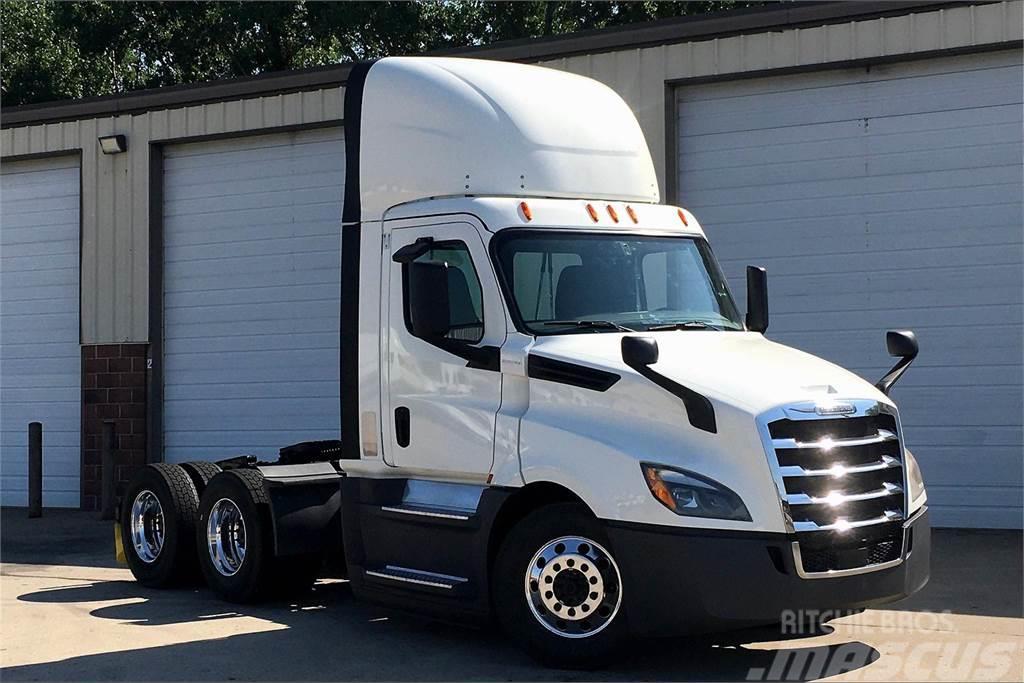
113	144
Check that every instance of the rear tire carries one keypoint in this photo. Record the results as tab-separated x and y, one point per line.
158	518
201	473
235	547
235	542
557	590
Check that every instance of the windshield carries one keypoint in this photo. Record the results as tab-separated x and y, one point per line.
561	282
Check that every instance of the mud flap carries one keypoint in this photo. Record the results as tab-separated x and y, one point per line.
119	555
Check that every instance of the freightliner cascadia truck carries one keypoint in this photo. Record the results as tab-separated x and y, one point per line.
553	417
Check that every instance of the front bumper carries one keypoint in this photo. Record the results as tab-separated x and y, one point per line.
691	580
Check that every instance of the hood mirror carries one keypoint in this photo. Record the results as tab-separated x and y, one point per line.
901	344
639	351
757	299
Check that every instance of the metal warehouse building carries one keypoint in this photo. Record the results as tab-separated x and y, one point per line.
868	154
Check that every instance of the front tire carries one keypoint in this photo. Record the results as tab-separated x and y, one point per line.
557	589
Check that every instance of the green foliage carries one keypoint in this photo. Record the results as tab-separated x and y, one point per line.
58	50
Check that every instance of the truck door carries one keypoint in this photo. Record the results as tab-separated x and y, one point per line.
445	326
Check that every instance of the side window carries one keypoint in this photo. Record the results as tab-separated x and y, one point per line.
465	295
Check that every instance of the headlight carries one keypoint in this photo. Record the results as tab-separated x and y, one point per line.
915	483
692	495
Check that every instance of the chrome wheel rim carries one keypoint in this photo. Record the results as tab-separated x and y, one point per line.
225	535
147	526
573	587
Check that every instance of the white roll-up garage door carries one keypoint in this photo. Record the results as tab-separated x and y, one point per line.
883	198
40	357
251	293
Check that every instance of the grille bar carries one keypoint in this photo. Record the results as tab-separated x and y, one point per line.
837	470
843	525
827	444
836	498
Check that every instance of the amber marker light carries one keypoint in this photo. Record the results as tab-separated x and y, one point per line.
682	216
632	214
525	208
613	213
659	489
592	211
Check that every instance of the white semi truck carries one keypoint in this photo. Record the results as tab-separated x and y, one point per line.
552	413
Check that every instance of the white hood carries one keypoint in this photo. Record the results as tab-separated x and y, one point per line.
742	369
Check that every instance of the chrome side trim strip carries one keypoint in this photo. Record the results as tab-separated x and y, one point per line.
425	513
842	524
837	498
836	573
882	436
418	577
886	462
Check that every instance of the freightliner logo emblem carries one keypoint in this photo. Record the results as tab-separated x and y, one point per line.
835	409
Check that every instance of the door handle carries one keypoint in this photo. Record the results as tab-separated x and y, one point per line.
402	426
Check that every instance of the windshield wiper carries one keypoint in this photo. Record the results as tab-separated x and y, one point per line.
591	324
683	325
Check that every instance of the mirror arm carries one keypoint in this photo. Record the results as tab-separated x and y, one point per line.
893	376
699	410
477	357
411	252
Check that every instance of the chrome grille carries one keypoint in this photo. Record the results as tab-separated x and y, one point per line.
841	483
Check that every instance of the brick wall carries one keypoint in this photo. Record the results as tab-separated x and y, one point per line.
113	388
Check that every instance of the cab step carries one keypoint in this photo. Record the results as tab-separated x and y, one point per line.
416	577
453	514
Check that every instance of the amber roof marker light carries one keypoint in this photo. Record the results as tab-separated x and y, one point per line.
682	216
632	214
593	212
525	208
613	213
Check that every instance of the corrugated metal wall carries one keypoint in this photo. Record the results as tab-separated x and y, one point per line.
251	297
115	206
40	362
880	199
115	191
640	75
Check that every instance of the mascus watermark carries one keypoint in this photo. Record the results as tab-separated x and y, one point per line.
921	660
926	661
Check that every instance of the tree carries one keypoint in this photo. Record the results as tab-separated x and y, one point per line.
59	50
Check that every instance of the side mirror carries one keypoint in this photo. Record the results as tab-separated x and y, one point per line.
903	345
428	314
757	299
639	351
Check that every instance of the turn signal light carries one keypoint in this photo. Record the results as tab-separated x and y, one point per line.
682	216
525	208
632	214
592	211
659	489
613	214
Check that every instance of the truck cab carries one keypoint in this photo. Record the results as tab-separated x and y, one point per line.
553	413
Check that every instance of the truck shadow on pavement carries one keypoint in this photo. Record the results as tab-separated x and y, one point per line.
328	635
